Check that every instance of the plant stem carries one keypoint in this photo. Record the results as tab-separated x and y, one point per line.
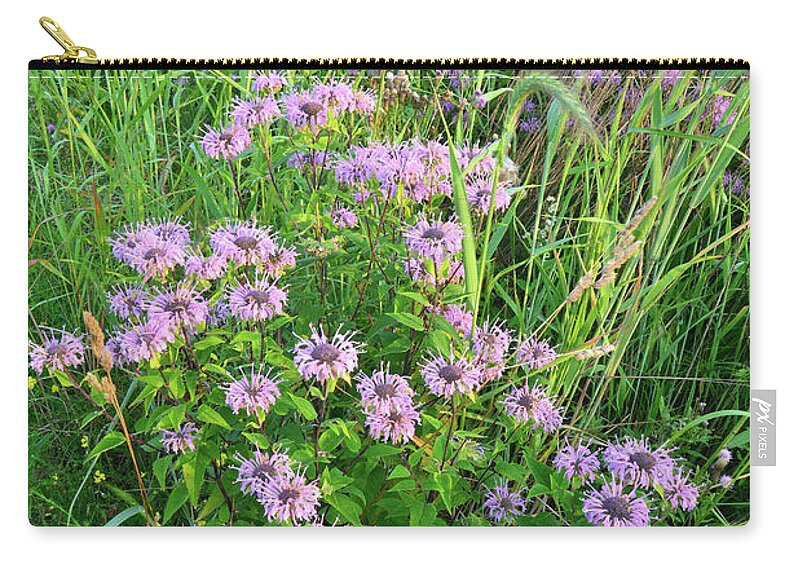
449	428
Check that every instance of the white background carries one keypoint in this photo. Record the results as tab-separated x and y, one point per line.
761	32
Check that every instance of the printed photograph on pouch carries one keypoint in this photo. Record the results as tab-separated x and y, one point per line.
388	297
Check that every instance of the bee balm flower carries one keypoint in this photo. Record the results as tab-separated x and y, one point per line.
323	359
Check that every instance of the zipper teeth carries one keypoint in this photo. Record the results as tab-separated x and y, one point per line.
368	62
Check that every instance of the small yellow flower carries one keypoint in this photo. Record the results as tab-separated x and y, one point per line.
54	388
31	382
99	476
55	477
84	441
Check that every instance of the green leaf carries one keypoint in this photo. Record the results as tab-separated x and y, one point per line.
125	515
422	514
399	472
381	450
347	507
176	499
446	485
512	471
209	415
160	467
465	220
416	297
194	472
172	417
246	336
409	320
215	369
699	420
404	485
740	440
110	441
303	406
540	519
541	472
208	342
62	378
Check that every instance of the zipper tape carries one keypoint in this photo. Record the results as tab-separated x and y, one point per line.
390	63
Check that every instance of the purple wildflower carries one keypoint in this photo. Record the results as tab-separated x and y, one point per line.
490	343
256	301
254	474
206	268
150	250
362	166
252	112
270	82
127	301
363	102
309	161
479	195
156	256
254	391
670	77
679	492
734	184
144	341
336	97
612	506
527	403
227	143
181	440
446	376
534	353
503	504
125	242
179	307
51	128
726	481
719	110
578	460
218	313
722	460
633	461
57	354
449	271
435	159
173	230
435	239
402	166
459	317
279	261
395	424
246	243
288	497
475	160
306	110
325	359
530	125
344	218
383	390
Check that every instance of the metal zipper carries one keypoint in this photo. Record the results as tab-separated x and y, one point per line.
79	57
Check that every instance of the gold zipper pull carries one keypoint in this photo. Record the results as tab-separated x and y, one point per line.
72	52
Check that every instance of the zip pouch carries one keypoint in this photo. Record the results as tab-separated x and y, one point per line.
388	292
